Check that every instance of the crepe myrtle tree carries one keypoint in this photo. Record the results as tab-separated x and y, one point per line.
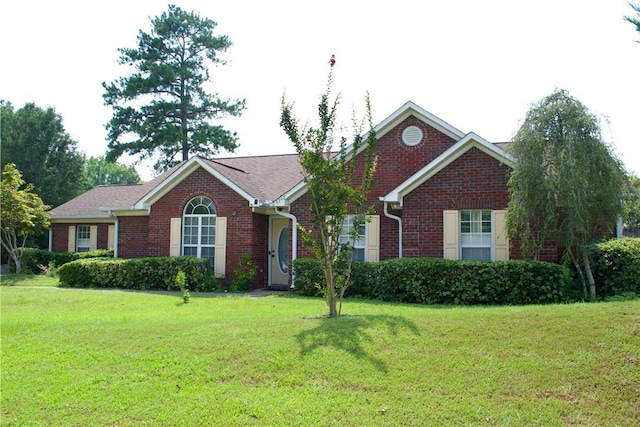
23	213
566	186
336	187
163	108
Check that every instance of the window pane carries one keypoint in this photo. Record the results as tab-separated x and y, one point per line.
207	253
477	254
347	229
475	234
358	254
83	238
198	233
283	250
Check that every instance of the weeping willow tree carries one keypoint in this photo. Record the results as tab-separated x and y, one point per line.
567	185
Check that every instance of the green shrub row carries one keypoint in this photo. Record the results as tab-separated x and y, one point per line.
154	273
616	267
440	281
35	261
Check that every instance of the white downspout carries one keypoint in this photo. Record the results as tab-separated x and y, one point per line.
619	227
116	232
397	218
294	241
50	240
116	237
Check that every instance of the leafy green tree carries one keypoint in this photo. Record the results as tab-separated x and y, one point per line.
635	20
163	108
631	216
566	185
35	140
99	171
336	188
23	213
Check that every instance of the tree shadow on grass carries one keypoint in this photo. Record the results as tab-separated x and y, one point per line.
350	333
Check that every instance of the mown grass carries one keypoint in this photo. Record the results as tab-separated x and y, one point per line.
28	280
92	357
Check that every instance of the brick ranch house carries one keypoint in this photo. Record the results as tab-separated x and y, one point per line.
439	192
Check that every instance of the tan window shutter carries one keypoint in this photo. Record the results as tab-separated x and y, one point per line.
451	240
71	244
93	237
174	236
220	253
500	238
111	235
372	239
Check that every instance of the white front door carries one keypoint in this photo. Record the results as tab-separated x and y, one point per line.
279	252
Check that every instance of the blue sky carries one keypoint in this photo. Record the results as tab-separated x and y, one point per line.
477	65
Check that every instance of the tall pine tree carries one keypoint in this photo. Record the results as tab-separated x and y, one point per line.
163	109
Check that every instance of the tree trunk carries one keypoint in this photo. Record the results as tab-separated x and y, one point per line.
592	282
578	267
331	289
17	261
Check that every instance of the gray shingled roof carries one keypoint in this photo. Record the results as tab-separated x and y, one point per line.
263	177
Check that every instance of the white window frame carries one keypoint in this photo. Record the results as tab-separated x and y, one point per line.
359	245
476	232
83	238
199	215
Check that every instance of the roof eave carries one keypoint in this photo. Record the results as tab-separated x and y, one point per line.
191	165
471	140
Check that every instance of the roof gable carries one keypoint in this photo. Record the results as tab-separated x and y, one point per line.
256	179
396	118
411	109
469	141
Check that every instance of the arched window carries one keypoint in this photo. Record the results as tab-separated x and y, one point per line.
199	228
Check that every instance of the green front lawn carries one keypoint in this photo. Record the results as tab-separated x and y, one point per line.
93	357
28	280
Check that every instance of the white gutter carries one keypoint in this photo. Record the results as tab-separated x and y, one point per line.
294	241
397	218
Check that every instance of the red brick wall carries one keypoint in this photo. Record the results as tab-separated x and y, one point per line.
103	236
132	237
473	181
60	236
396	163
260	248
246	231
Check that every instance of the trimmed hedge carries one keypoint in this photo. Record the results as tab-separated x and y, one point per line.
154	273
33	258
616	267
440	281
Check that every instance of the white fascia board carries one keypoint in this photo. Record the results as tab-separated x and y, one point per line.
405	111
191	165
292	195
82	219
125	211
411	109
470	140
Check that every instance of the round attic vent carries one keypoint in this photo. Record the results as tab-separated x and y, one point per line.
412	135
